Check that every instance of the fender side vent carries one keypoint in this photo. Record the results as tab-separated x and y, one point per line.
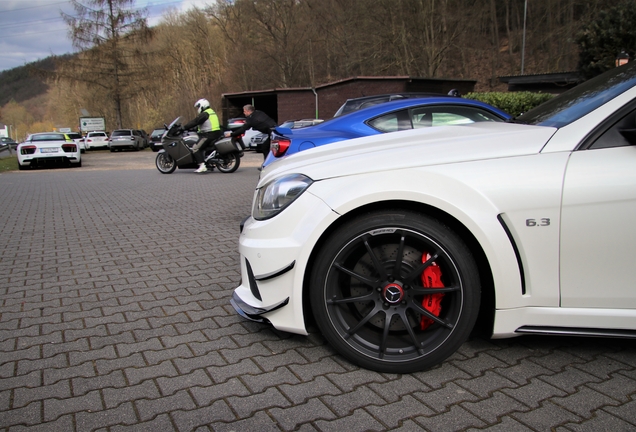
517	254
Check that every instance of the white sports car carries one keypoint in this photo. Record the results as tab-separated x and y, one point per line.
398	245
48	148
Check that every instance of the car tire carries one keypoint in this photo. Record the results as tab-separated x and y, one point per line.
23	167
367	291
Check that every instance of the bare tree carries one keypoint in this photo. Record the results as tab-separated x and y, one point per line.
111	35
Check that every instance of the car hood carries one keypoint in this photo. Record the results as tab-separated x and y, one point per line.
413	148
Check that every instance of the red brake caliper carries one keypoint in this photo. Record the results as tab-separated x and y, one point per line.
431	278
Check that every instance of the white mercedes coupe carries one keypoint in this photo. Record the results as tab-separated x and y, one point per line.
397	246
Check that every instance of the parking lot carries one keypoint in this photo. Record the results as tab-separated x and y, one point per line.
115	284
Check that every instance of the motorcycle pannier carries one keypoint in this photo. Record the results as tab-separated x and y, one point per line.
226	146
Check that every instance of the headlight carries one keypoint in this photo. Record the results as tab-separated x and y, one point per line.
276	195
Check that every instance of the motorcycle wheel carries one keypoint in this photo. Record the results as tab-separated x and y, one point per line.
229	163
165	164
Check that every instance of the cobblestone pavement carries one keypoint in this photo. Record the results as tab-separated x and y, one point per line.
115	283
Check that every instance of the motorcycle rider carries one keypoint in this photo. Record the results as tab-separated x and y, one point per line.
208	128
256	120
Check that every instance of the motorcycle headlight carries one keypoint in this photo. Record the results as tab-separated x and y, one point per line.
276	195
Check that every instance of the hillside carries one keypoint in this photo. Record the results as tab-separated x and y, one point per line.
25	82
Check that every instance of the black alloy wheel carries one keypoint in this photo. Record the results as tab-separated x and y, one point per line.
372	284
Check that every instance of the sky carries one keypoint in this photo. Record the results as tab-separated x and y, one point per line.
33	30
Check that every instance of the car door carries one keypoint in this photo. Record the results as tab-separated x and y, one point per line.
598	235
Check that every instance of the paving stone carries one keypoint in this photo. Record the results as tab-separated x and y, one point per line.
259	422
114	379
54	408
222	373
248	405
534	393
397	412
486	384
149	408
161	423
261	382
121	415
584	402
32	379
618	387
453	420
444	398
626	412
62	424
105	366
546	417
114	396
23	396
291	418
348	402
569	379
394	389
197	378
300	393
491	409
601	422
206	395
360	420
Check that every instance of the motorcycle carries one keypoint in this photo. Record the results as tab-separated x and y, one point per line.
224	154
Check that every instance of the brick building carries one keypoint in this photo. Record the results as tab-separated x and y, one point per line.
324	100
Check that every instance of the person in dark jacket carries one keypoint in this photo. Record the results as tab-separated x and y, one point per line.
256	120
208	128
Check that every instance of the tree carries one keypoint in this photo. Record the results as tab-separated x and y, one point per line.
111	36
604	37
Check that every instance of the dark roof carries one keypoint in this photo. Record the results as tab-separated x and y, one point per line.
545	78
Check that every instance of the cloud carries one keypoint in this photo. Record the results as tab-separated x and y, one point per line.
33	30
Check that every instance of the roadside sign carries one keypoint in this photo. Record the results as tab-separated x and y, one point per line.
89	124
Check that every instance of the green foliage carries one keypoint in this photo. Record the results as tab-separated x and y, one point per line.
603	38
514	103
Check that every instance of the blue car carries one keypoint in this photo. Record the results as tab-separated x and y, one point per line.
391	116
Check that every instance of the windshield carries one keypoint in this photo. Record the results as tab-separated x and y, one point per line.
582	99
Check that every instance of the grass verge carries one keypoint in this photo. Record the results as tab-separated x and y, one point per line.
8	163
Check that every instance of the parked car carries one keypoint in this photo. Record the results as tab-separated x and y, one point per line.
126	139
96	140
397	115
355	104
299	124
257	140
48	148
79	140
8	141
155	139
237	122
146	138
398	245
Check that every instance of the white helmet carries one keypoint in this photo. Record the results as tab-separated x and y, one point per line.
201	105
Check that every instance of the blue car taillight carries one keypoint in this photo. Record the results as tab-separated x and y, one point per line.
280	146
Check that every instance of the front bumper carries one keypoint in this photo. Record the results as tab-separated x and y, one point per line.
274	255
